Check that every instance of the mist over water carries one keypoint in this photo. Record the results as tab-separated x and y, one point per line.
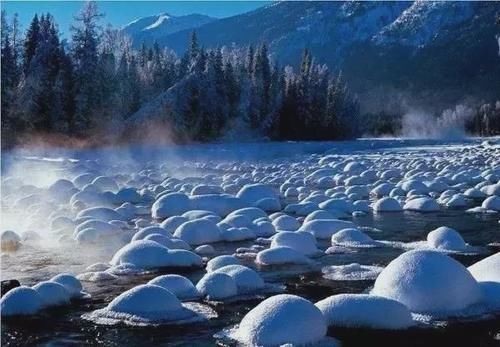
449	125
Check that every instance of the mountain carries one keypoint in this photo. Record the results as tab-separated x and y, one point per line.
149	29
389	52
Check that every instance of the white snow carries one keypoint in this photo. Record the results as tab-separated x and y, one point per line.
221	261
282	320
428	282
217	286
352	237
52	293
491	203
487	270
21	301
281	255
325	228
301	242
179	285
247	280
71	283
387	204
143	305
365	311
423	204
149	254
198	232
446	239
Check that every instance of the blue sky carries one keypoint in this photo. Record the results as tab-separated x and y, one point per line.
119	13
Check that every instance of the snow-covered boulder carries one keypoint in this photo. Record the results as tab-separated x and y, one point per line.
281	255
253	193
179	285
144	232
286	222
487	270
428	282
52	293
491	203
101	213
170	204
446	239
221	261
325	228
21	301
198	232
251	212
387	204
302	242
352	237
149	254
365	311
282	320
145	304
217	286
71	283
422	204
247	280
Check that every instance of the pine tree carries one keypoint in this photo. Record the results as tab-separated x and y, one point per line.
31	42
194	48
85	41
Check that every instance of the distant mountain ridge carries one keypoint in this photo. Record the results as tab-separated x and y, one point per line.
419	47
149	29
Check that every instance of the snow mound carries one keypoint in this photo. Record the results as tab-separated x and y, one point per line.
247	280
446	239
143	233
423	204
52	293
281	255
491	203
286	222
71	283
180	286
198	232
205	250
428	282
253	193
280	320
301	242
21	301
387	204
221	261
487	270
170	204
96	276
101	213
150	254
365	311
252	213
325	228
351	272
143	305
217	286
353	237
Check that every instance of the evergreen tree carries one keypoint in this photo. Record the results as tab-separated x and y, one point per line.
85	40
31	42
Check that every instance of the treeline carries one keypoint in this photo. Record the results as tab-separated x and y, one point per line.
96	81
